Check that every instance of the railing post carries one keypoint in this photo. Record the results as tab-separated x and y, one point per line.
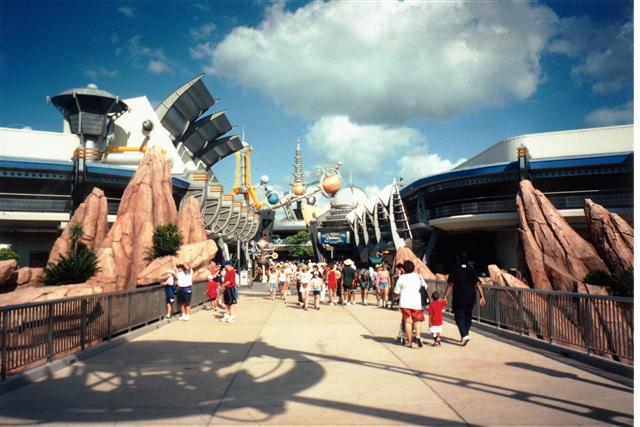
129	312
550	324
5	344
589	326
496	301
50	332
83	323
521	311
109	311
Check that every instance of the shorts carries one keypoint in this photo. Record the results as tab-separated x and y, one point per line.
365	286
436	329
170	300
416	315
317	292
184	296
384	285
273	286
230	296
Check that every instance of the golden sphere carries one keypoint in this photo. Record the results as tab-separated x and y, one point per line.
331	184
298	189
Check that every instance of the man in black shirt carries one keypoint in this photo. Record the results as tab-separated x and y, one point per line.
464	282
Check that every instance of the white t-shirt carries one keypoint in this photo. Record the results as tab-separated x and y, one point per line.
408	286
184	279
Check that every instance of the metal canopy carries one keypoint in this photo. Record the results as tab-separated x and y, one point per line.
184	106
206	129
91	100
219	149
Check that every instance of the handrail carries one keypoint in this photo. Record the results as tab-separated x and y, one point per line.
601	325
38	332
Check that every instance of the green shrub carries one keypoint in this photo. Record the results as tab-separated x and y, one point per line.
76	267
6	253
620	283
166	241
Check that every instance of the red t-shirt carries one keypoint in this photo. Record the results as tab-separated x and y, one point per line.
435	312
212	288
230	278
332	281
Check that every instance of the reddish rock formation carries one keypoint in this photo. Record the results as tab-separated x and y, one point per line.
46	293
502	278
92	216
196	255
7	267
553	254
146	203
190	222
25	277
611	235
406	254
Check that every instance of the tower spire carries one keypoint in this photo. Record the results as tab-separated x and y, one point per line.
298	166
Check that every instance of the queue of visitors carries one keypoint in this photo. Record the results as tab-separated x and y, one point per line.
340	282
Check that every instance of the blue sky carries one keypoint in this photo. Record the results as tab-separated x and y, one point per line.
391	89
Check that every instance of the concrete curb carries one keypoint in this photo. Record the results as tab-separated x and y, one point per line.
507	336
47	370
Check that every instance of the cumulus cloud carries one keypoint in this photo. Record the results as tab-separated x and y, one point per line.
97	72
363	149
155	60
419	163
202	51
203	31
604	54
389	62
127	11
622	115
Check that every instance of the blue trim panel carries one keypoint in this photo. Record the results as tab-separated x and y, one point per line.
610	160
51	165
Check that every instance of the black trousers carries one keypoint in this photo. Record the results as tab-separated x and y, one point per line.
463	315
299	290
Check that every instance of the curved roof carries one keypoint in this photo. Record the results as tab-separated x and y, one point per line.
349	196
91	99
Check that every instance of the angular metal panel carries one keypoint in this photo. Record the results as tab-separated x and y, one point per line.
184	106
206	129
217	150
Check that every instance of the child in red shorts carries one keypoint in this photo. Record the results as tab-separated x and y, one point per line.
435	317
212	292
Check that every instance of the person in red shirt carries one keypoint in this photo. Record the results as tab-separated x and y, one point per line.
436	308
332	283
230	291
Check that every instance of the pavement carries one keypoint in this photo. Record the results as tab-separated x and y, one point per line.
341	365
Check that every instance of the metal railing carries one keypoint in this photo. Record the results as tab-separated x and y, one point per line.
37	333
596	324
34	203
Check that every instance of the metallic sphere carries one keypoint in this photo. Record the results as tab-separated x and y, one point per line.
311	200
147	126
264	179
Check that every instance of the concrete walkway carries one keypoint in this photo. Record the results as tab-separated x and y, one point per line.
278	364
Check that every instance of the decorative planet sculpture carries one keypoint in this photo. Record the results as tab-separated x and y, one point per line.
273	198
311	200
331	184
298	188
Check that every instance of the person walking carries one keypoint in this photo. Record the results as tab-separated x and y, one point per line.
230	294
348	280
316	284
364	280
408	288
305	279
170	292
436	308
383	281
463	282
332	283
184	277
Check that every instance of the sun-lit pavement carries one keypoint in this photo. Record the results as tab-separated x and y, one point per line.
278	364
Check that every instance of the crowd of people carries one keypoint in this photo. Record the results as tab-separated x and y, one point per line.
329	284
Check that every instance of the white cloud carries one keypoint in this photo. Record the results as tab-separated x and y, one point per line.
363	149
622	115
388	62
419	163
127	11
158	67
203	31
202	50
604	54
95	73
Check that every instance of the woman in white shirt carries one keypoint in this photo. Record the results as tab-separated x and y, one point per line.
408	287
185	281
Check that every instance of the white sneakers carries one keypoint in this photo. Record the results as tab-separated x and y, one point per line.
184	317
227	319
465	339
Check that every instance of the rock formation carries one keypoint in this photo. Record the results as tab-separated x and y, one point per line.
46	293
7	267
146	203
611	235
92	216
196	255
25	277
553	254
190	222
502	278
406	254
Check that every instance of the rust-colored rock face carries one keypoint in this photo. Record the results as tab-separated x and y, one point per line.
553	254
406	254
611	235
92	216
146	202
25	277
503	278
7	267
190	222
46	293
196	255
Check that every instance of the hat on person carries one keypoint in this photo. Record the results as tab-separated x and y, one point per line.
228	262
348	262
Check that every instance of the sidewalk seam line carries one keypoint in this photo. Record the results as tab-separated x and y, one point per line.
244	359
422	380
